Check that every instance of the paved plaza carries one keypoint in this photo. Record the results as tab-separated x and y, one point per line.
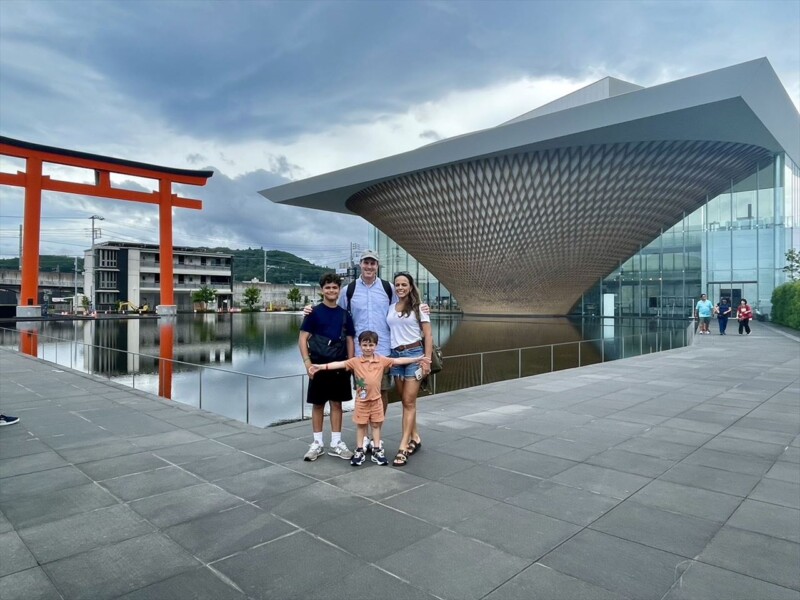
670	476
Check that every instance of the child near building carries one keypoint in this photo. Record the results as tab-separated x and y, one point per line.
368	370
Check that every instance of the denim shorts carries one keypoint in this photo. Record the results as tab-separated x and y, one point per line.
406	371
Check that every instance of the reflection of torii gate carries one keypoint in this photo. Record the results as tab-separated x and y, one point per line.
35	183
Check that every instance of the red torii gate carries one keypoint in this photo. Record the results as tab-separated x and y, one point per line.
34	182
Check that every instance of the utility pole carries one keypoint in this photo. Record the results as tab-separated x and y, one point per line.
95	235
265	265
75	280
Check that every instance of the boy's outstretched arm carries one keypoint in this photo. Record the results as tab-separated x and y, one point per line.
410	360
331	366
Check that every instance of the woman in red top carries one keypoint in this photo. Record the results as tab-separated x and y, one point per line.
744	314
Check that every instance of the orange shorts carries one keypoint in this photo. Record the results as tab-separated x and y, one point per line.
368	411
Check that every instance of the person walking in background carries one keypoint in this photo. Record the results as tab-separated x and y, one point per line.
332	326
411	337
702	312
744	314
723	310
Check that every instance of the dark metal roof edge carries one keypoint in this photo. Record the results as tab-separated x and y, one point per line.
108	159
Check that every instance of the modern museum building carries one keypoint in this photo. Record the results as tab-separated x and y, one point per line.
649	196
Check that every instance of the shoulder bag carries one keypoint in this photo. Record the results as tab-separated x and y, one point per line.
323	349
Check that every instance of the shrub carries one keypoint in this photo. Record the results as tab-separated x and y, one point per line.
786	304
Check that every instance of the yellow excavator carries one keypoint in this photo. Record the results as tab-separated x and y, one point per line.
130	307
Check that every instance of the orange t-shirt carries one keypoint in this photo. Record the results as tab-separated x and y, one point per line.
368	372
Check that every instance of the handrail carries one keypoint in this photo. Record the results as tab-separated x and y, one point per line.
303	377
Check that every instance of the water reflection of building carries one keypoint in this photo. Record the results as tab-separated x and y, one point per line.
123	272
648	194
123	346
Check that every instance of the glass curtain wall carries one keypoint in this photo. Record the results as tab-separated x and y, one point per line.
733	247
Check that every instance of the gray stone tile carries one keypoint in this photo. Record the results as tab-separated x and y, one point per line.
26	511
707	582
282	452
166	439
32	484
368	581
532	463
185	504
668	531
631	462
785	471
197	584
739	446
474	569
355	532
28	585
149	483
688	500
775	521
564	502
14	555
79	533
113	570
657	448
271	571
187	453
263	483
750	465
30	463
779	492
5	525
517	531
440	504
221	534
214	430
99	451
313	504
623	567
475	450
227	465
600	480
774	561
244	440
508	436
121	465
376	482
490	482
538	581
569	449
717	480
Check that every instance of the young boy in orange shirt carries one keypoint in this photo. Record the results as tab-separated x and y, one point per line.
368	369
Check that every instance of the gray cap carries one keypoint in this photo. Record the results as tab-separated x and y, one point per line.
369	254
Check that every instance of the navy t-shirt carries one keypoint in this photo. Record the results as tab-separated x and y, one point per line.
327	321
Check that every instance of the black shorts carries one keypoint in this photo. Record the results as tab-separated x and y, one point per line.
331	386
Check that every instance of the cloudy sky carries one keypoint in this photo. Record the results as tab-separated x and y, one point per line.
265	92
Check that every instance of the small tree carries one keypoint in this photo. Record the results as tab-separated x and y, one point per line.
204	295
252	296
294	297
792	268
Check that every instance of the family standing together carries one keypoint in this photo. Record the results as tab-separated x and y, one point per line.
393	330
704	310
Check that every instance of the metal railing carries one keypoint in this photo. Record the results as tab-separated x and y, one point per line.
263	400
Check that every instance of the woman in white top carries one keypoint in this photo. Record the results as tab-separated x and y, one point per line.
411	336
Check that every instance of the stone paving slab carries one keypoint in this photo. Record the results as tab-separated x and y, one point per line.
671	476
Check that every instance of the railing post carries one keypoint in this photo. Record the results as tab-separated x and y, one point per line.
602	350
579	354
623	347
200	388
133	380
247	397
481	382
641	347
302	393
519	363
552	358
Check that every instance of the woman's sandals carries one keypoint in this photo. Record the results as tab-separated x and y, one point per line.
414	447
401	459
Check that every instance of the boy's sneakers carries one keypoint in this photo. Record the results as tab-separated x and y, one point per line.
8	420
358	458
341	450
378	456
367	445
314	452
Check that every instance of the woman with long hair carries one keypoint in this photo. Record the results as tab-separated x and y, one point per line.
411	337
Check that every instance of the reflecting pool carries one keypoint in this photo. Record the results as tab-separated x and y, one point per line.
248	367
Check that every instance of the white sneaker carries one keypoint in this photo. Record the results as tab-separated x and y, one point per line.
314	452
341	450
367	445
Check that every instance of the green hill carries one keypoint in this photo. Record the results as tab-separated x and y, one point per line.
282	267
51	263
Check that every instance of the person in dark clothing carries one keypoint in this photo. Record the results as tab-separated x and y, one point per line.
723	310
744	314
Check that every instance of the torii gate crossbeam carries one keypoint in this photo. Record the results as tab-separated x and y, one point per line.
35	182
